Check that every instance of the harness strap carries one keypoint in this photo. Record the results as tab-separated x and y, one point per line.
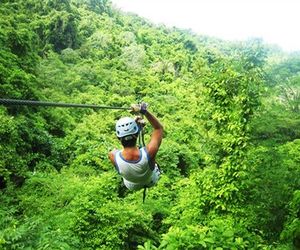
144	194
141	139
142	144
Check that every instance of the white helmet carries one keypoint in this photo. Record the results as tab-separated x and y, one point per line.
126	126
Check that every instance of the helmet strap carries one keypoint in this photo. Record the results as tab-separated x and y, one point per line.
128	137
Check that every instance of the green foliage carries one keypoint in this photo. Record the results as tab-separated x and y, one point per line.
62	31
219	233
9	138
268	191
230	156
291	232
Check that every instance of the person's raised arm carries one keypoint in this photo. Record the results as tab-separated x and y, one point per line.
157	134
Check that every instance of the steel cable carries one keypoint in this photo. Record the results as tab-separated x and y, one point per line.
16	102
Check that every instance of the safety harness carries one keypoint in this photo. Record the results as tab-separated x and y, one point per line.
141	141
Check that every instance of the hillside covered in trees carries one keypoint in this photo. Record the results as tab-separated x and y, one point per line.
231	149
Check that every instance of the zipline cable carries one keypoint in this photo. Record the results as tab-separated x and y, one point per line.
16	102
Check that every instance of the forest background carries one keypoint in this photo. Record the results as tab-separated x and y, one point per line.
231	149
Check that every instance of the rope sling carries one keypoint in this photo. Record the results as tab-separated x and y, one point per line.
141	142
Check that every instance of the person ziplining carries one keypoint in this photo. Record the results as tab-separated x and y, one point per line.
137	166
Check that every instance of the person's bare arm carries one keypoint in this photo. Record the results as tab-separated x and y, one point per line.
111	156
157	133
156	136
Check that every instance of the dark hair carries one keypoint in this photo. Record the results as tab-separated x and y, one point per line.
129	140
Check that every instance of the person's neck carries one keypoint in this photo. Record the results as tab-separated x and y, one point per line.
131	153
130	148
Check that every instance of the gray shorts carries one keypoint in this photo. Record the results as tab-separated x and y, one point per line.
136	186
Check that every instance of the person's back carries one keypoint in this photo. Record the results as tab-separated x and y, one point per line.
137	166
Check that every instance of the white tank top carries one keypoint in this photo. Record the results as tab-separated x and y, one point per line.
135	173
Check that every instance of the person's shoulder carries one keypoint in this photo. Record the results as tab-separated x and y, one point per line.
147	152
113	153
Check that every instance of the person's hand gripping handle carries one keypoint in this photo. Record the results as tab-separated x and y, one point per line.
139	108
